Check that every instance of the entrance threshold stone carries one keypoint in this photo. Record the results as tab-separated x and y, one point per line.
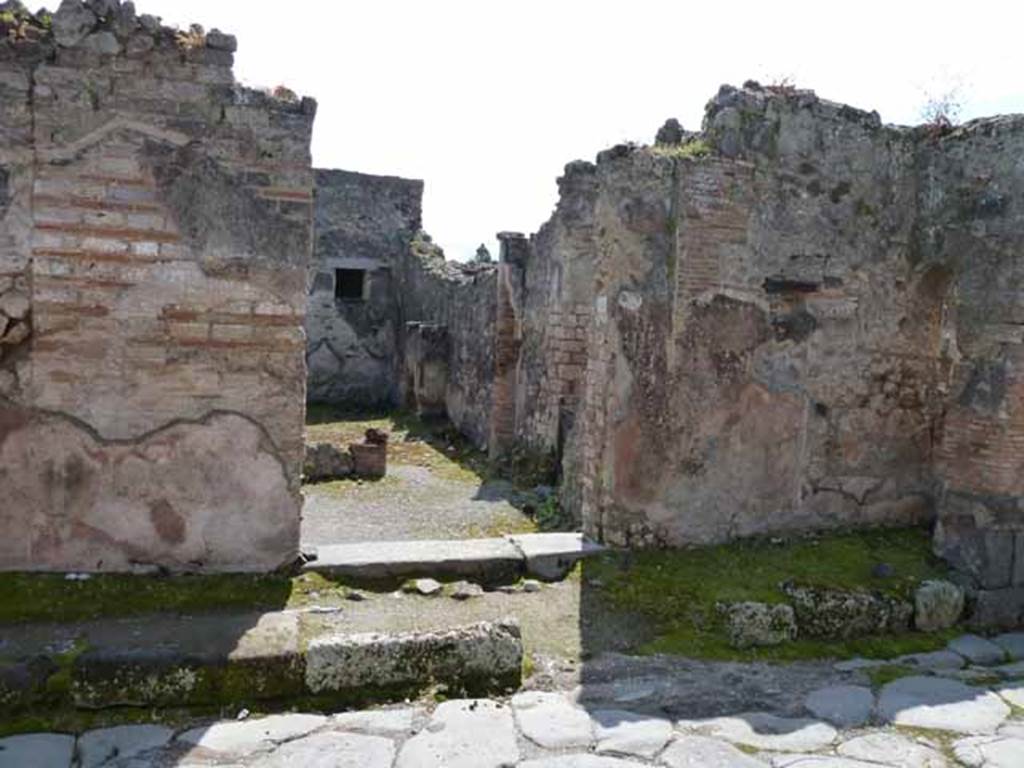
491	561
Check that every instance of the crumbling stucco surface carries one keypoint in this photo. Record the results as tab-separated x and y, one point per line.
155	235
363	223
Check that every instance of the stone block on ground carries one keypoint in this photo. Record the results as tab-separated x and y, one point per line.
891	749
248	736
552	721
704	752
940	704
97	747
761	730
845	706
977	650
990	751
333	749
581	761
464	734
37	750
380	722
841	614
752	624
937	605
1012	644
325	462
480	659
628	733
933	660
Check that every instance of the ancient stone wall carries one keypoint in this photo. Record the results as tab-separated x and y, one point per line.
155	236
463	300
364	227
797	319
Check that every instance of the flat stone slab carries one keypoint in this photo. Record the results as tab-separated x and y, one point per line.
846	706
37	750
1012	670
581	761
1012	643
332	750
990	751
764	731
488	560
933	660
379	722
941	704
978	650
552	721
703	752
97	747
629	733
1013	694
551	555
892	749
467	733
248	736
819	761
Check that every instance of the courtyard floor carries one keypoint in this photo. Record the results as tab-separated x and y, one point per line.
437	487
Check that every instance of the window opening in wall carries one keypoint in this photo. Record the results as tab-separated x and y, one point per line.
350	284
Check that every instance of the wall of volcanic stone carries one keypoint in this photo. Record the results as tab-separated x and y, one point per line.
364	227
155	236
785	325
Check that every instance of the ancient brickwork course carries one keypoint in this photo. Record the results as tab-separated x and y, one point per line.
155	235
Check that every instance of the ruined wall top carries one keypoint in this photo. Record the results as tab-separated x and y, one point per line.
84	33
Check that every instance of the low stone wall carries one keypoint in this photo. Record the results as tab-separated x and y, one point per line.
155	235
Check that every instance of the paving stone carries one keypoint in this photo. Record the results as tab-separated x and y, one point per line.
552	721
1012	643
1013	694
629	733
972	675
857	664
945	705
933	660
704	752
379	722
97	747
819	761
892	748
465	733
1012	670
978	650
331	750
990	752
37	750
581	761
761	730
843	705
252	735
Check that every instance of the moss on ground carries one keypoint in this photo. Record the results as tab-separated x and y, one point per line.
26	598
676	591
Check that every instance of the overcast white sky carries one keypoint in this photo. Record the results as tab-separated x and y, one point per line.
487	100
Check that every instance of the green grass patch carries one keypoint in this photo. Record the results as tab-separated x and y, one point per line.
691	148
676	591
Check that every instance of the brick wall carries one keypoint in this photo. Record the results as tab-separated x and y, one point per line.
161	229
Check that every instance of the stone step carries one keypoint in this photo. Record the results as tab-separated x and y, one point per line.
547	556
236	660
